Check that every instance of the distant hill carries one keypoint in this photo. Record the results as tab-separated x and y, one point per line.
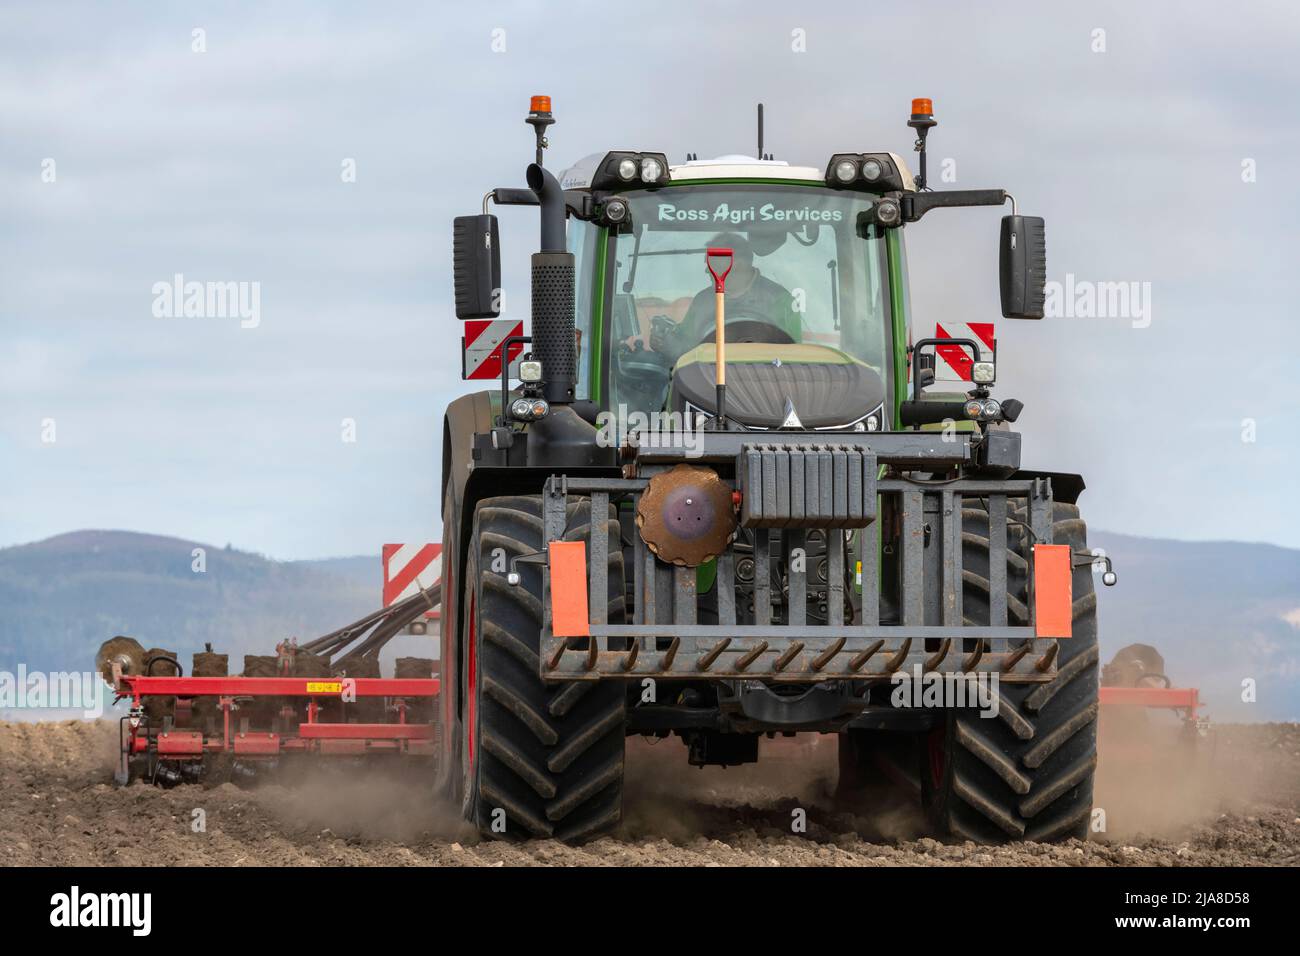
1219	611
60	598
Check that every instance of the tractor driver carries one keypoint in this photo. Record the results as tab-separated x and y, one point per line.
750	295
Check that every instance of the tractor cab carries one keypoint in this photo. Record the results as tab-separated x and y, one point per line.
808	303
810	319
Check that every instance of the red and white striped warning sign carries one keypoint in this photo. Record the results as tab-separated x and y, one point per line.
956	359
407	568
481	345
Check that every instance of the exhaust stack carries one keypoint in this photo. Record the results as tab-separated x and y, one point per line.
554	334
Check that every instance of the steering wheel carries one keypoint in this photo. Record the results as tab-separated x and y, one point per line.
752	330
641	365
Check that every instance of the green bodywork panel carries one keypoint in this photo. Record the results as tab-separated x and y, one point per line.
899	304
705	575
598	316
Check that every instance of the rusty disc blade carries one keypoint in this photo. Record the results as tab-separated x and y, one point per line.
126	651
685	515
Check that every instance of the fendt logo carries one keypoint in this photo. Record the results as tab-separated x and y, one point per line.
76	909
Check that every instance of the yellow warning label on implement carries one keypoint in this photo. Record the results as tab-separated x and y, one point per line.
324	687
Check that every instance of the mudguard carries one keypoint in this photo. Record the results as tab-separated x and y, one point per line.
465	416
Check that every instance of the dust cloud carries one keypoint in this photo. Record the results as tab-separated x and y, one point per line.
1232	799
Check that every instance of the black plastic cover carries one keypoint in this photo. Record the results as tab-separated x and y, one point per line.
824	394
476	265
999	453
1022	266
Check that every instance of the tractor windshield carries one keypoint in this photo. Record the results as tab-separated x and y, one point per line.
808	270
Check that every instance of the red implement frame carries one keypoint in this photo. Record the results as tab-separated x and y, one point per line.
1164	698
137	687
309	736
1121	740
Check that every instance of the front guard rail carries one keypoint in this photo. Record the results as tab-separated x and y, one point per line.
665	639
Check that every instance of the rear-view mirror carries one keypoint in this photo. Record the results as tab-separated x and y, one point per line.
476	265
1022	266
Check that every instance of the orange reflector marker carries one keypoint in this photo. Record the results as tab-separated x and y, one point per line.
569	589
922	107
1053	591
542	104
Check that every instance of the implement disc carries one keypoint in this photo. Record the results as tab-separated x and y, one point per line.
125	651
686	516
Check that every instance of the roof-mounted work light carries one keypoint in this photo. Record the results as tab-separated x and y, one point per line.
868	172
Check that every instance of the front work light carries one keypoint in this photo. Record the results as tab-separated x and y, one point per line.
614	211
627	168
887	212
528	409
875	172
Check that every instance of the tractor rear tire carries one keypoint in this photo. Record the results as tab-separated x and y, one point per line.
1026	773
538	759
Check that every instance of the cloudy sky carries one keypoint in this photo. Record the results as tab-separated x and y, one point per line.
1159	142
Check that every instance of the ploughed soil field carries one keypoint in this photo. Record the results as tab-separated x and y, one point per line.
1232	800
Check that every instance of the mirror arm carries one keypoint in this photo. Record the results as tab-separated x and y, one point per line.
916	205
578	203
509	196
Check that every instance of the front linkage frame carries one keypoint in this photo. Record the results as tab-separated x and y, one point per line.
666	639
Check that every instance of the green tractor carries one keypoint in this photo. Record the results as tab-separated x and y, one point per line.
720	504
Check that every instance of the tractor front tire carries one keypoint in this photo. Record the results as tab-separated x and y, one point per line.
537	759
1025	773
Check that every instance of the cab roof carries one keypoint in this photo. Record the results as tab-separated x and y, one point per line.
731	166
736	166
